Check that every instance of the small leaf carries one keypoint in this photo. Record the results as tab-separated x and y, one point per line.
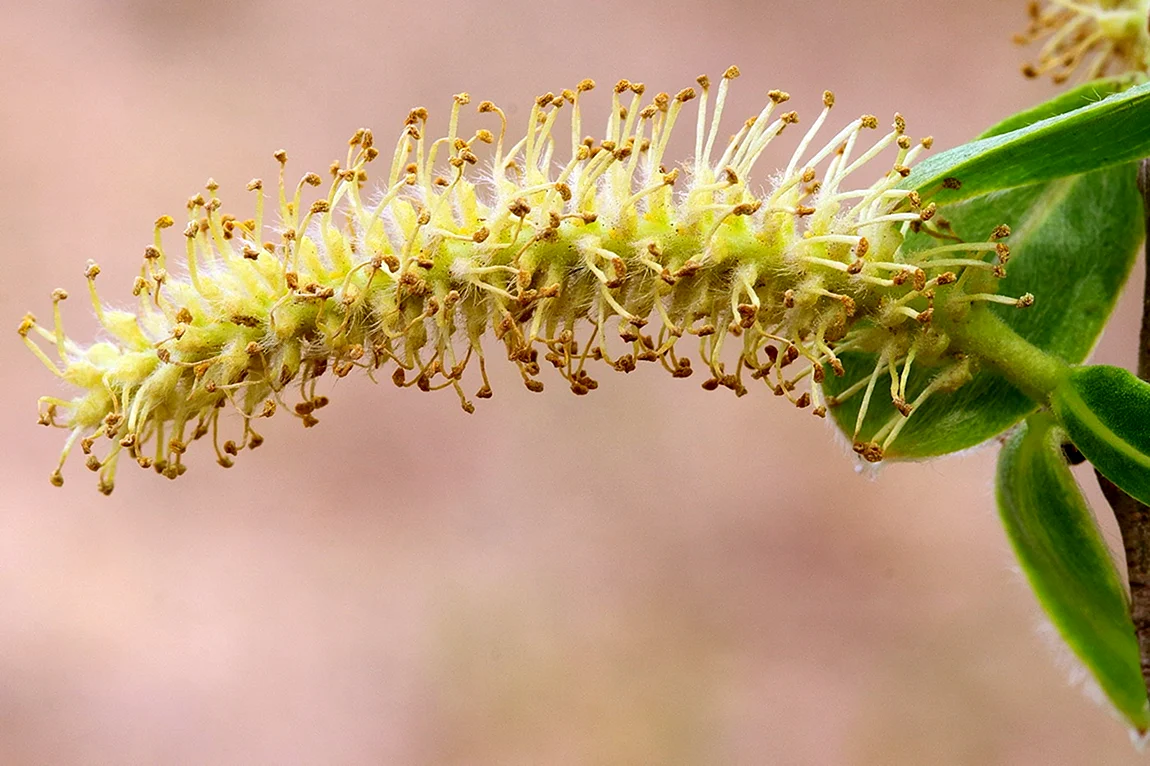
1074	243
1106	411
1111	131
1068	565
1075	98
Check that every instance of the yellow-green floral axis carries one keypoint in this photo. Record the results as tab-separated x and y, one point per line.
604	258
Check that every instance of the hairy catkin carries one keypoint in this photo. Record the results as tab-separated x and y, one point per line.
604	259
1092	37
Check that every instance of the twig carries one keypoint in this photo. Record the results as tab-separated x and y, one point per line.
1134	517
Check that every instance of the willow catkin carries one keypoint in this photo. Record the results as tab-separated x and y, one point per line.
604	259
1093	37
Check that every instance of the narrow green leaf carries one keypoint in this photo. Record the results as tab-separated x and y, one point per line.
1062	552
1074	243
1110	131
1075	98
1106	411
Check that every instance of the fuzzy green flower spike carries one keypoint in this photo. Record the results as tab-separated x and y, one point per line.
554	257
1099	35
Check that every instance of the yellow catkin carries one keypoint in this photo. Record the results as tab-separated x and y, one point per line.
578	254
1092	37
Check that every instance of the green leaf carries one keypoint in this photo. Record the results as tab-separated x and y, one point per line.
1075	98
1110	131
1073	245
1062	552
1106	411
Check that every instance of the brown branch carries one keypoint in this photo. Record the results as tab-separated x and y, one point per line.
1134	517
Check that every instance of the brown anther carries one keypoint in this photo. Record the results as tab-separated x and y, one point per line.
869	451
903	142
747	315
519	207
481	234
281	156
1025	301
804	210
320	206
789	299
747	208
901	405
869	121
789	356
803	401
534	386
688	269
899	123
292	280
946	278
924	317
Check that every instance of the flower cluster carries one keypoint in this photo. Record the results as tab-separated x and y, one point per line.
605	259
1102	36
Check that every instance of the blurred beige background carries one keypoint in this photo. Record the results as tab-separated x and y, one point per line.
652	574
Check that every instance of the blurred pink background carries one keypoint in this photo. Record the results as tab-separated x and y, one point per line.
651	574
